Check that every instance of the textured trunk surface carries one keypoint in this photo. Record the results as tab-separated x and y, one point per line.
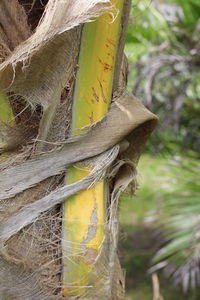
39	50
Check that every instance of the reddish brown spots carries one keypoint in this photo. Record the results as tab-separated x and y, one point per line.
106	66
102	93
110	55
101	62
92	100
111	42
91	118
95	95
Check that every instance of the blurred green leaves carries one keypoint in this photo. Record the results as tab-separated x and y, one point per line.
147	28
180	220
163	47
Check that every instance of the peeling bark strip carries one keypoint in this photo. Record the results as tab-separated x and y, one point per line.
125	116
31	212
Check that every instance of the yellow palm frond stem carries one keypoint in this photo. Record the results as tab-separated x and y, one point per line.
6	121
84	214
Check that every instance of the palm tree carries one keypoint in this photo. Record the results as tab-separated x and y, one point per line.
58	78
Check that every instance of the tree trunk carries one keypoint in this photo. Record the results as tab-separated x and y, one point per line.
39	52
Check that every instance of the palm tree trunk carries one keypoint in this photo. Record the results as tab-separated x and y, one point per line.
49	250
85	214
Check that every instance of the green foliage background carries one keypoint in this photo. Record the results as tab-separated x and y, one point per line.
163	49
